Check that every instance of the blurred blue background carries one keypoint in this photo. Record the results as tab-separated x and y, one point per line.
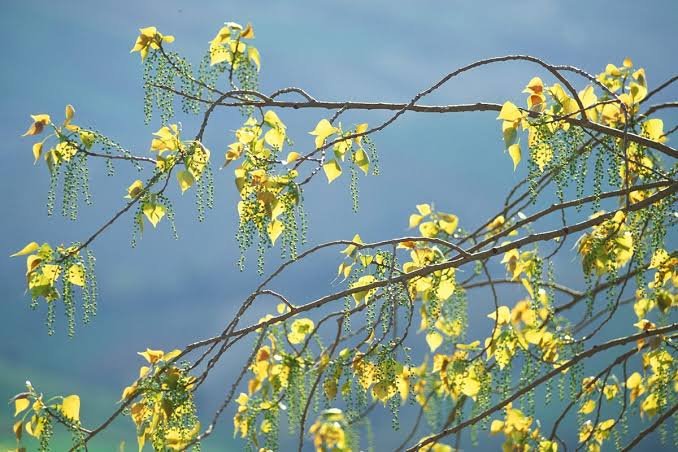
166	293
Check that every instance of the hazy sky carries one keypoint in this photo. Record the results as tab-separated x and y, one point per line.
165	293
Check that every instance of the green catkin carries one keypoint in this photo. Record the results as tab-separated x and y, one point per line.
51	194
169	210
373	155
69	307
354	188
46	435
598	175
51	317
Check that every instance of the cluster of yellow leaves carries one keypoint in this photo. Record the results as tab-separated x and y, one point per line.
552	106
663	286
384	379
271	368
343	147
43	271
228	45
607	247
66	134
512	118
614	78
520	437
264	195
598	433
437	285
432	223
520	327
328	431
35	412
150	38
457	374
658	369
171	150
165	397
361	261
151	207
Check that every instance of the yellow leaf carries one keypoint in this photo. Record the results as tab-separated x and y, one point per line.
360	158
275	137
154	212
415	220
434	340
588	407
509	112
291	157
323	130
39	123
654	129
429	229
449	224
69	112
134	189
71	407
37	151
351	248
17	428
20	405
424	209
470	387
360	128
274	229
634	380
502	315
76	275
248	32
332	170
253	54
516	154
28	249
496	426
185	179
363	295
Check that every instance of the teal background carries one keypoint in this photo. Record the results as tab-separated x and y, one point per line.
166	293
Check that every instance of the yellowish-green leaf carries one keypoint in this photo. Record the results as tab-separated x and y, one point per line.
274	229
509	112
415	219
362	160
332	170
496	426
291	157
470	387
351	248
424	209
502	315
154	212
323	130
434	340
588	407
516	154
185	179
363	295
134	189
253	54
76	275
37	151
71	407
28	249
275	137
20	405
